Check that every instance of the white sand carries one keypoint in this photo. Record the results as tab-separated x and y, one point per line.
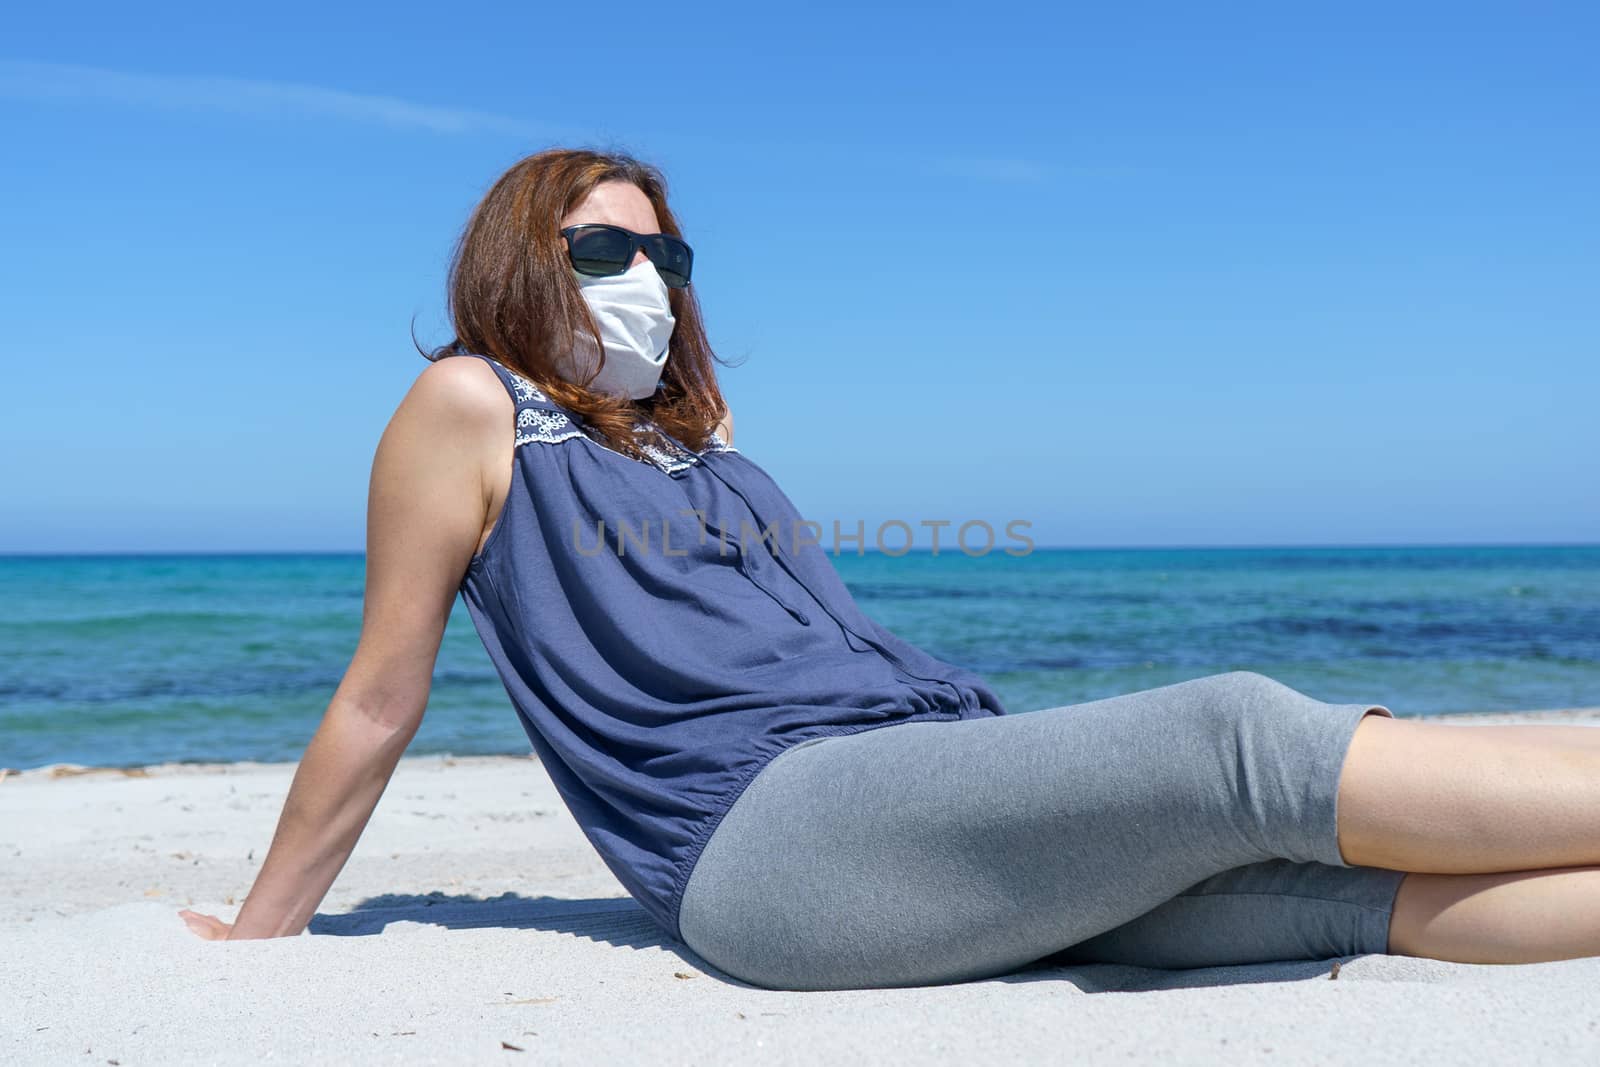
474	915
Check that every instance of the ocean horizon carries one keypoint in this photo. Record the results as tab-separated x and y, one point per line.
129	658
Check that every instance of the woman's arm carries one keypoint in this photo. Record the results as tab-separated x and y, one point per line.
426	512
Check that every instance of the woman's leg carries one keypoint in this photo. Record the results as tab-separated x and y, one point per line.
1272	910
932	852
1280	909
1500	821
1510	917
1447	799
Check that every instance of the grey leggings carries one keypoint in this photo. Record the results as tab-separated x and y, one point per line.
1187	826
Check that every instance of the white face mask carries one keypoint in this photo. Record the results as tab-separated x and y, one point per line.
635	321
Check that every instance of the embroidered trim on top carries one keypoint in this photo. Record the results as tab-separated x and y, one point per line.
550	427
525	388
718	444
668	454
536	424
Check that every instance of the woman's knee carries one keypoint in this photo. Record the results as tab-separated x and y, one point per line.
1236	696
1253	684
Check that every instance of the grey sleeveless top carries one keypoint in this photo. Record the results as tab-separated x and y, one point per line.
663	632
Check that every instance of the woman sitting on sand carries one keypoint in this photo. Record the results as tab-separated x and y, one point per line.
795	793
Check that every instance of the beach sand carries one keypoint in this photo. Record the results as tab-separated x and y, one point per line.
474	923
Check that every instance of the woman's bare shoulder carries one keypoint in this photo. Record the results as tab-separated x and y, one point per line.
460	387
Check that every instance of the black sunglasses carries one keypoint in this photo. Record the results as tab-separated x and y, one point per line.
597	250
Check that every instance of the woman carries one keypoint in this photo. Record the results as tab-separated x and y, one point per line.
713	706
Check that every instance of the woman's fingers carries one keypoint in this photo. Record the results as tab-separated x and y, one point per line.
207	926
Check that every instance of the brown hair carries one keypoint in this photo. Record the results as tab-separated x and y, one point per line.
513	297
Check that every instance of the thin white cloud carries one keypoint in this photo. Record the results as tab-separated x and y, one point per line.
242	96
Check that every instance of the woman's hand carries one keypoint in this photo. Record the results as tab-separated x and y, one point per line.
207	926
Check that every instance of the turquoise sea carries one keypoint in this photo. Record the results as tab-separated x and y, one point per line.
121	660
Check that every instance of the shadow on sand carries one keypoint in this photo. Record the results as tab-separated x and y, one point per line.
621	922
616	921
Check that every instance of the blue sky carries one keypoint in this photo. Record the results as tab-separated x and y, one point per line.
1137	274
